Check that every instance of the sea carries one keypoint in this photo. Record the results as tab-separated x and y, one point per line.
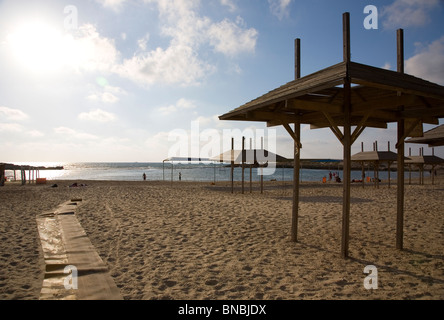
198	172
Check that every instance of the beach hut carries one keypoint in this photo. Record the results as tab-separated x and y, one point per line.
349	95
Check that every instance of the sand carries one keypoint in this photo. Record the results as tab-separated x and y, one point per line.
195	241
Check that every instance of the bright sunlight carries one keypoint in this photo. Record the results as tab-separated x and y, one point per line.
42	48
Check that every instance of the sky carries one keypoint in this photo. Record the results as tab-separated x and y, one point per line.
143	80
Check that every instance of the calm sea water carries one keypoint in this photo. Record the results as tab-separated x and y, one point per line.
189	172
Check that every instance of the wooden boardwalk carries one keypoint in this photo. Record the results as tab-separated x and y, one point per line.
74	270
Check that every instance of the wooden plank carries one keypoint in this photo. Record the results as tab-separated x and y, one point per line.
324	79
394	81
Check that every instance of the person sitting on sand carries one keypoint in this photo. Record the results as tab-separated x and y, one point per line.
338	179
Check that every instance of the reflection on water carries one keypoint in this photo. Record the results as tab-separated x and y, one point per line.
189	172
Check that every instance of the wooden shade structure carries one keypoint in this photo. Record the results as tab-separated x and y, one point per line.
252	157
421	161
376	158
349	95
433	137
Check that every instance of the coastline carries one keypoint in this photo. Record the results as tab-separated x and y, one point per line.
195	241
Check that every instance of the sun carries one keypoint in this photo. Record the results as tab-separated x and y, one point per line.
38	46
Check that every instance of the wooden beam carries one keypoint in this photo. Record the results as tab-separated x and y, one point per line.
296	166
413	125
390	102
263	116
371	123
232	165
293	134
300	103
346	141
360	128
333	126
297	154
297	58
401	151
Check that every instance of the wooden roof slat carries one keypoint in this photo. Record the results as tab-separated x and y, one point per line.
395	81
377	89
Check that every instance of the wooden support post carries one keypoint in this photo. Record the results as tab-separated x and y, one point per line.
262	168
346	140
346	172
2	174
243	164
389	164
297	153
410	167
251	165
400	147
296	165
232	165
363	167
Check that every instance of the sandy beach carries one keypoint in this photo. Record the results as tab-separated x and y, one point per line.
195	241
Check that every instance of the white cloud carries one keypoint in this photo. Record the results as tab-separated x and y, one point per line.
279	8
13	114
231	39
429	63
177	64
35	133
181	62
10	127
92	52
181	104
387	66
115	5
230	4
98	116
71	133
408	13
109	94
109	98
